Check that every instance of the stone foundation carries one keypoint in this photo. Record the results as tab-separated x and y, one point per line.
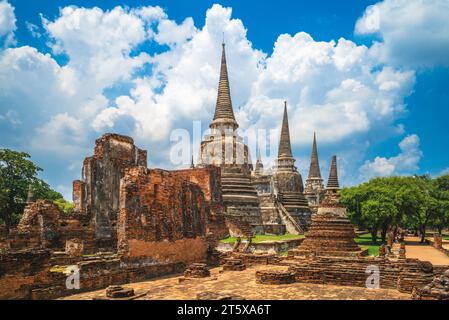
232	264
330	234
116	292
28	274
197	270
438	289
275	277
348	271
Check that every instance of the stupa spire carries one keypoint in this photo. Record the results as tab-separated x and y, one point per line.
314	171
259	163
332	183
285	148
30	194
224	113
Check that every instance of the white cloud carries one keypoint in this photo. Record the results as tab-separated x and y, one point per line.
168	32
33	29
331	87
184	81
415	33
338	89
7	23
102	57
407	161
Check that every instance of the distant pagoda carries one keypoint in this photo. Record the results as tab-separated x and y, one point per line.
288	181
331	233
224	148
259	164
314	190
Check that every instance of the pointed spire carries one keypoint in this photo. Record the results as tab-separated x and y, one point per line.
285	148
332	183
30	195
314	171
192	165
259	163
223	110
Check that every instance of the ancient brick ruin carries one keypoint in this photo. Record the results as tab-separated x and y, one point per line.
97	193
130	223
166	217
331	233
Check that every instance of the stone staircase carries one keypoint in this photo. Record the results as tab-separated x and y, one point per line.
273	212
269	210
236	223
294	200
297	206
238	190
290	223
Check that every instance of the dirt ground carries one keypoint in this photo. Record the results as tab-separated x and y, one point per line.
243	284
416	250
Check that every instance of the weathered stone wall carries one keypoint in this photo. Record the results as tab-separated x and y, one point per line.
21	270
97	194
43	225
162	216
3	237
209	180
403	275
38	228
27	274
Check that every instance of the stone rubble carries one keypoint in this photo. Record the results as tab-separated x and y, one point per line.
197	270
275	277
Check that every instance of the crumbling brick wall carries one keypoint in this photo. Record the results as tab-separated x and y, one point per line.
3	237
39	227
209	180
21	270
97	193
162	216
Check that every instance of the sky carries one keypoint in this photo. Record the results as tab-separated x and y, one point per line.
370	78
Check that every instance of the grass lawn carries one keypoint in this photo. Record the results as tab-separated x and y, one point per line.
261	238
363	240
366	242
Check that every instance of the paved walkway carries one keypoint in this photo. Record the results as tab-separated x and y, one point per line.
244	285
415	249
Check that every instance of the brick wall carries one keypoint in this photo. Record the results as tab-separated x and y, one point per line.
162	216
97	193
209	180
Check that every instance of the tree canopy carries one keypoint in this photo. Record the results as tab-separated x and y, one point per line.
17	174
382	204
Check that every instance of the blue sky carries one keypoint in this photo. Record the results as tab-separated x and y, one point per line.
377	97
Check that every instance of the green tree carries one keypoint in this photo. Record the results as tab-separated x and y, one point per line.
372	205
377	213
17	173
441	195
64	205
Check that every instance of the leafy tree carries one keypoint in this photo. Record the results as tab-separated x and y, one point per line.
64	205
383	204
17	173
376	214
441	195
372	205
